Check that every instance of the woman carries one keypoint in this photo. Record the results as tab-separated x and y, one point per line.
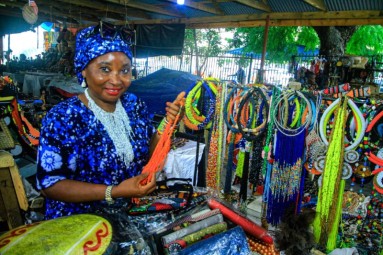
93	146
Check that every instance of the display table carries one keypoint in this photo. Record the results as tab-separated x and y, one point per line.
16	77
67	84
180	162
34	81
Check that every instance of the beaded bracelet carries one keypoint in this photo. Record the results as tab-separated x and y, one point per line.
162	125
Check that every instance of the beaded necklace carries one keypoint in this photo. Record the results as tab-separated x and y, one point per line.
267	162
254	135
286	171
285	179
117	125
279	115
194	118
230	112
215	143
263	109
158	158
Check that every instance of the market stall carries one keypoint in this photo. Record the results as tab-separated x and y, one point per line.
309	155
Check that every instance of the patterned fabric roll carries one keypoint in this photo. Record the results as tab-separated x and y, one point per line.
182	243
192	228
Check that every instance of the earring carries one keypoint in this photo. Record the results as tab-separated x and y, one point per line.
83	83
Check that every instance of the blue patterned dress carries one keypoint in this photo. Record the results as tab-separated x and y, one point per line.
75	145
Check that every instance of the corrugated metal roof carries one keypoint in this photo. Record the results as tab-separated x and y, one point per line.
290	6
353	5
234	8
200	13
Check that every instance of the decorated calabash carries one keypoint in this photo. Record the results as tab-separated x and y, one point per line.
77	234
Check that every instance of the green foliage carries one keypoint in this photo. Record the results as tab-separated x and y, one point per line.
366	41
203	43
282	41
308	37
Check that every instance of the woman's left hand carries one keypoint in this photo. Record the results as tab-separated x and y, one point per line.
175	107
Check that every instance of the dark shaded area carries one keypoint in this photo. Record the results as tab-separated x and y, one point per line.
159	40
162	86
13	25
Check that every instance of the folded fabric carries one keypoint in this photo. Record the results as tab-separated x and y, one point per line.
232	241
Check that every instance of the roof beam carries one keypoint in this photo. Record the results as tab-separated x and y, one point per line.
108	8
346	18
319	4
71	8
288	22
50	12
260	5
146	7
200	6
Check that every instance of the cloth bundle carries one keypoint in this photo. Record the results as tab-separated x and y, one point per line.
232	241
171	195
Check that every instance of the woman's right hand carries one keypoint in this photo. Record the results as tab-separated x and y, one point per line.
132	187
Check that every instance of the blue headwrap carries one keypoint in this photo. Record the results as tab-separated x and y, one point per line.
90	45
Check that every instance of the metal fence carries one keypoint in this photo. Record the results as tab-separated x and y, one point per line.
221	67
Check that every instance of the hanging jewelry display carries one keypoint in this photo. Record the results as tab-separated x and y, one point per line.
375	152
315	147
255	134
285	180
329	206
215	142
230	113
361	123
268	157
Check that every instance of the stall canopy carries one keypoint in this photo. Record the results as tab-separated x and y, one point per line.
159	40
13	25
201	14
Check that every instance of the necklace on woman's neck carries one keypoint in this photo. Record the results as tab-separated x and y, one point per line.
117	125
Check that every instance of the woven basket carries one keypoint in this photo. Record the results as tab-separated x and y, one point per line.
6	139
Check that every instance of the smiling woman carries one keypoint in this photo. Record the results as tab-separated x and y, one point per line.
94	146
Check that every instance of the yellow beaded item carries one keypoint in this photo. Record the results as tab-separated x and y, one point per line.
193	118
330	195
161	126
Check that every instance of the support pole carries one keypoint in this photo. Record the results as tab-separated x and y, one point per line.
265	39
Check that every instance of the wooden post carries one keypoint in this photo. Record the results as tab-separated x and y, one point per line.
265	38
12	193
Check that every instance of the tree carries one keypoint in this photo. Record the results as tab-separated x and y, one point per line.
366	41
202	43
333	40
282	42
